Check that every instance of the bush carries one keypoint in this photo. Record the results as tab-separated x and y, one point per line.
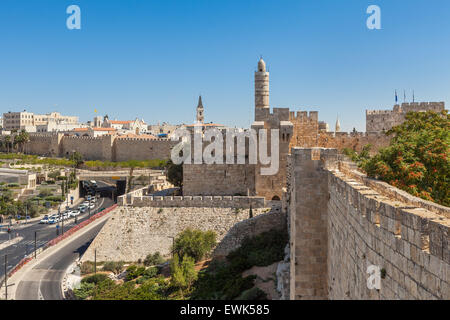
150	272
87	267
114	266
54	198
261	250
183	273
153	259
95	278
194	243
252	294
86	289
45	193
223	279
133	272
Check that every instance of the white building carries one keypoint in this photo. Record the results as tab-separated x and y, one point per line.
31	122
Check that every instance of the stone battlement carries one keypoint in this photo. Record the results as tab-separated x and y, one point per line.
42	135
100	138
304	116
412	106
144	139
238	202
384	120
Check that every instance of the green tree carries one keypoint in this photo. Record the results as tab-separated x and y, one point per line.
153	259
194	243
417	159
177	279
174	173
189	272
54	174
77	159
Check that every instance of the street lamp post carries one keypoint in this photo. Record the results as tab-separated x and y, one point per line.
6	276
35	244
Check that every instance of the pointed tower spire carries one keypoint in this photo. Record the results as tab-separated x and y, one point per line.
338	125
200	111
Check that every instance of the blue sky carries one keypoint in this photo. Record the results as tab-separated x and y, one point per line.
151	59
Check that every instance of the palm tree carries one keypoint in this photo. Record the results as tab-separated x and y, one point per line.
24	138
7	141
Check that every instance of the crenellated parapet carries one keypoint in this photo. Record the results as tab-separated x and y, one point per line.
240	202
304	116
384	120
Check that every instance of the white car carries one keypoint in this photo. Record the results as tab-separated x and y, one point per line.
82	208
44	220
74	213
92	206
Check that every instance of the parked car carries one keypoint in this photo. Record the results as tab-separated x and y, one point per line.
82	208
44	220
74	213
53	220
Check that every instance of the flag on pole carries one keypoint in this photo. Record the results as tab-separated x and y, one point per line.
396	98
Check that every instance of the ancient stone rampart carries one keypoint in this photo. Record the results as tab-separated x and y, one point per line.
105	148
341	224
275	219
132	233
384	120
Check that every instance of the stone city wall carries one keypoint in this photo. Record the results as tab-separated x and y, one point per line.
142	149
98	148
275	219
220	179
132	233
354	140
340	226
104	148
384	120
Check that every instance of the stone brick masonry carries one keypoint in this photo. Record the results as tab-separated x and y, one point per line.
355	226
132	233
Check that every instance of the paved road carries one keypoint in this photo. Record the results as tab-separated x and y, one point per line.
43	282
45	233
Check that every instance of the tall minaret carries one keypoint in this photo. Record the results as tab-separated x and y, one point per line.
200	111
261	88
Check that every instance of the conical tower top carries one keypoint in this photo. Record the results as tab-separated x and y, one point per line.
261	65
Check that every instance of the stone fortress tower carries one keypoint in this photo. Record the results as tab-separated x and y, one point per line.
200	111
261	89
270	186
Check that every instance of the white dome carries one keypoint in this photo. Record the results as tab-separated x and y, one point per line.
261	65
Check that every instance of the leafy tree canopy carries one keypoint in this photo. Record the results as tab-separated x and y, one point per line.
417	159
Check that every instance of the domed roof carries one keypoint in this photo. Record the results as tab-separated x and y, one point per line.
261	65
